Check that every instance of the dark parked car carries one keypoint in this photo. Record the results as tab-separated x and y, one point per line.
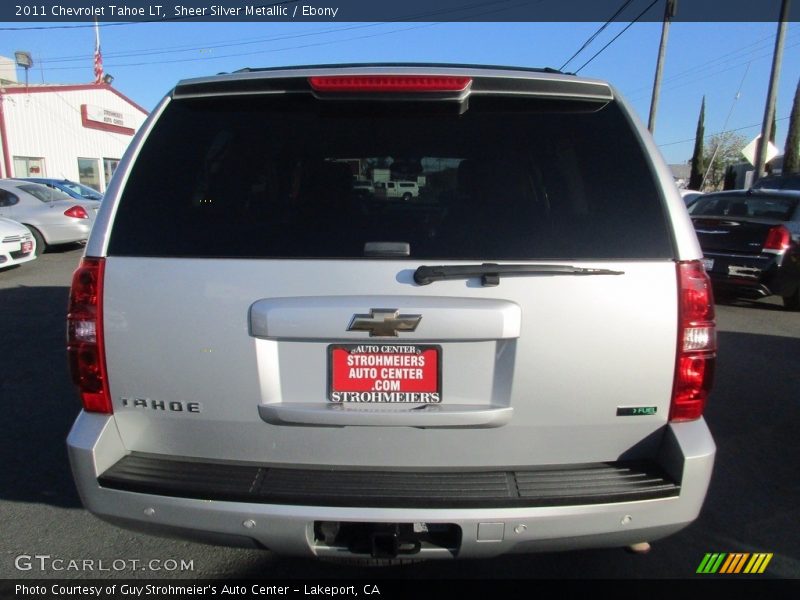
750	242
690	196
778	182
71	188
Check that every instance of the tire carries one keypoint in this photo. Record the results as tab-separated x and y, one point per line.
41	245
792	302
407	197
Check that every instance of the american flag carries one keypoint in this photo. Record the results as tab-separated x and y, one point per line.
98	57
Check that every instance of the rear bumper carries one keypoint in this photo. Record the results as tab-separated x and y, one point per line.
488	526
753	276
67	233
11	254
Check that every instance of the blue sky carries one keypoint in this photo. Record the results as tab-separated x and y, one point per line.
712	59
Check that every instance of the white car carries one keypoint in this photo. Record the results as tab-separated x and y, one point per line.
51	216
363	187
398	189
17	245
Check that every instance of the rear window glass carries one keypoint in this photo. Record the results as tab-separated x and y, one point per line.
788	182
44	193
260	177
82	190
764	207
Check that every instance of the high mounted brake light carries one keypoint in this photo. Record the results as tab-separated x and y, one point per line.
389	83
697	343
85	346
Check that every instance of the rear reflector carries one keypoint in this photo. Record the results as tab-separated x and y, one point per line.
778	239
85	347
77	212
697	343
389	83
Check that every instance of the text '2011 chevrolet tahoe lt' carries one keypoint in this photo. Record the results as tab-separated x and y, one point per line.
515	359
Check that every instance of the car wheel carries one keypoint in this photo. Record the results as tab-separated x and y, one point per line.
407	197
41	245
792	302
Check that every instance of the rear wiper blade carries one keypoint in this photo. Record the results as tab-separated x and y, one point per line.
490	272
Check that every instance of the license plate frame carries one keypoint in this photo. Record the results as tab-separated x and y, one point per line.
413	380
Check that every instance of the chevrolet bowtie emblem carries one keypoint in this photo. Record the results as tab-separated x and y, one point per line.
384	322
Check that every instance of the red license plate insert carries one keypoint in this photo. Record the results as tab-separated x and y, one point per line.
385	373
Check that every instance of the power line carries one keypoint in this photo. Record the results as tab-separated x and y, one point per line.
714	73
710	135
614	39
725	124
166	50
710	63
704	72
184	48
322	43
267	51
596	33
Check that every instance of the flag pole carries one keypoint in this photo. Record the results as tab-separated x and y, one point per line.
98	57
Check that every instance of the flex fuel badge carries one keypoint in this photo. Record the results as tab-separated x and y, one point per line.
636	411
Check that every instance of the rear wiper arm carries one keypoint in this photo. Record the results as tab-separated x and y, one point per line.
490	272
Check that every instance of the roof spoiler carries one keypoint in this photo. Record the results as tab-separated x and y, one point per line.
485	82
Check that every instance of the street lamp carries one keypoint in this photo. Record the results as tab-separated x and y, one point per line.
25	61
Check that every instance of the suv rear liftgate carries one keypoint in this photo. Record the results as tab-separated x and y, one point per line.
515	359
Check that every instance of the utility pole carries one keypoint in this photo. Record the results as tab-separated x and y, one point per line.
669	12
769	110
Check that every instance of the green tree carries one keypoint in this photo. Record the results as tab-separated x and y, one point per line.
698	163
791	153
724	149
729	183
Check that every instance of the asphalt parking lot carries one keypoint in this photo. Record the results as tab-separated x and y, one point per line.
753	504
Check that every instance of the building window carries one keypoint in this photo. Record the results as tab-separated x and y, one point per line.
26	166
109	166
89	172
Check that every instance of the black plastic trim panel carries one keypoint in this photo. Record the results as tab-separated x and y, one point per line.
595	483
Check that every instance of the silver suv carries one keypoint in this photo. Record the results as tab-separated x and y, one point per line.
516	361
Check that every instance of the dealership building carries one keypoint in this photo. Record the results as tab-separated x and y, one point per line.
76	132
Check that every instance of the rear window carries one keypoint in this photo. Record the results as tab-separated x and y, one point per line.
763	207
787	182
82	190
265	177
44	193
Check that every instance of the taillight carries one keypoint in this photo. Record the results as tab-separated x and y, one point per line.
389	83
778	239
77	212
85	346
697	343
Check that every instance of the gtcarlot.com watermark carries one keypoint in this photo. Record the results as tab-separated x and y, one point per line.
46	563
